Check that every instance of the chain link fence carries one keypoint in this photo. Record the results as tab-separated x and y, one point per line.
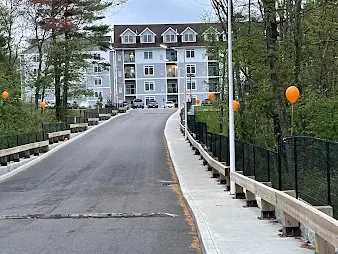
20	139
304	164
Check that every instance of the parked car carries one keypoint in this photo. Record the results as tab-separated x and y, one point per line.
170	104
206	102
152	104
138	103
125	104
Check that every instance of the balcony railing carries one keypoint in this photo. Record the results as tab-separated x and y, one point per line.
171	74
213	73
172	90
129	75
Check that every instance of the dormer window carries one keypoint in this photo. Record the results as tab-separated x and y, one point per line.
188	35
170	36
212	34
128	37
147	36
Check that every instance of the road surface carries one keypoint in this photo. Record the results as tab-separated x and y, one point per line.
119	170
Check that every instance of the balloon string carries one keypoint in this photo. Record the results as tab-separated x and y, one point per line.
291	119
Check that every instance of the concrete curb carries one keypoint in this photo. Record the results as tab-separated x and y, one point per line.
45	155
202	229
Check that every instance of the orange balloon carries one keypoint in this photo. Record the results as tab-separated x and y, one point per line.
198	101
292	94
183	102
4	95
211	96
110	93
43	104
235	105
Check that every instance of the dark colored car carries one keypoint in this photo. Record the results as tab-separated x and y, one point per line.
206	102
152	104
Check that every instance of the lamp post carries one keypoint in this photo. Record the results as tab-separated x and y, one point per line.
185	87
231	91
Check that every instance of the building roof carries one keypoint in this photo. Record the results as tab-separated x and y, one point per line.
159	29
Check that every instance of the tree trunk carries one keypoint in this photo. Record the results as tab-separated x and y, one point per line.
298	42
271	38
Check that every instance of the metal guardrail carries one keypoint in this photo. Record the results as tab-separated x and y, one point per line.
294	210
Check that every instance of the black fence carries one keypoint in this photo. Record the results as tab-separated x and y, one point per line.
91	113
304	164
74	119
53	127
21	139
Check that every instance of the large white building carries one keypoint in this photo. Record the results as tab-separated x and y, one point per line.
165	62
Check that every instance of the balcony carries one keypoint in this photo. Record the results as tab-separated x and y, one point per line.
130	88
171	55
213	70
129	72
129	56
172	87
172	71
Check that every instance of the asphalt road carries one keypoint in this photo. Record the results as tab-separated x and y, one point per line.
117	168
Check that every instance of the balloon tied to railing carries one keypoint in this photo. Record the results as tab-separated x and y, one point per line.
43	104
211	96
198	101
4	95
235	105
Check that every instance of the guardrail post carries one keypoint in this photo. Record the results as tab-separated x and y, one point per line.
322	246
239	193
291	226
251	197
267	209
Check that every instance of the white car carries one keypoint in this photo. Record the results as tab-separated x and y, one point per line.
170	104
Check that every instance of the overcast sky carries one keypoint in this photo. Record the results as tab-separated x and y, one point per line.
158	11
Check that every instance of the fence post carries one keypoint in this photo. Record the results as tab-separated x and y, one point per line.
295	166
267	151
243	158
328	172
254	160
279	161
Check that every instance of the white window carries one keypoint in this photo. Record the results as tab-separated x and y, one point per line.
190	53
147	38
148	55
148	70
98	94
191	70
128	39
98	82
191	84
149	86
119	58
97	69
189	37
170	38
97	56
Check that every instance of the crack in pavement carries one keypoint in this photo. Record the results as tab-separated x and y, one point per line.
85	216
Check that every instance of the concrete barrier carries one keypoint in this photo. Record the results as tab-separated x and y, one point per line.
55	137
296	212
123	109
15	153
114	112
78	127
104	116
93	121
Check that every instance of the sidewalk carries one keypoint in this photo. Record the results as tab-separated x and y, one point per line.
224	225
